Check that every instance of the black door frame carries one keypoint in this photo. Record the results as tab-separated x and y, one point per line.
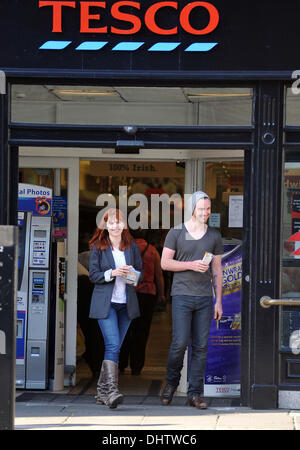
262	276
263	144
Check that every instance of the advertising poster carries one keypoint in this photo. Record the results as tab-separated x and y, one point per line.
37	199
60	211
222	376
295	212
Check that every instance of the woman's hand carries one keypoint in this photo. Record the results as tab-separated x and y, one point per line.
120	271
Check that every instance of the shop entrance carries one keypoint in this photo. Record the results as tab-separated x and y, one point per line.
196	128
134	186
222	178
223	181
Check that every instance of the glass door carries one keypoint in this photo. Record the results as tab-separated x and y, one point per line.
224	183
289	303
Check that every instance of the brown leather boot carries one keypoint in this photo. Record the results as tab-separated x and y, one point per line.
197	402
167	394
113	397
102	387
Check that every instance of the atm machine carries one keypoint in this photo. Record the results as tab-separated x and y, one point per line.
34	220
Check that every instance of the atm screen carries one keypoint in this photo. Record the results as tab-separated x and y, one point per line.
38	283
40	233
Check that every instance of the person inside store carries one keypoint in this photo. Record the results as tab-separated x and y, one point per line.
115	268
187	251
149	292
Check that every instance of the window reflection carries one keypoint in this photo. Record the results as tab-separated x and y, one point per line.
291	211
224	183
292	108
137	177
290	274
290	325
290	282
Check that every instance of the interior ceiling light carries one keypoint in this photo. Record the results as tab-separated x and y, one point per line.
82	92
219	95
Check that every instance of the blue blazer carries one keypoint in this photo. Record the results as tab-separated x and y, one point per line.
102	260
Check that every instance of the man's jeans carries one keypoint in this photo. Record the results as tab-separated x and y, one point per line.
114	329
191	321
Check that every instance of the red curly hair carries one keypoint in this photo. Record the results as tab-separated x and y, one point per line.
101	240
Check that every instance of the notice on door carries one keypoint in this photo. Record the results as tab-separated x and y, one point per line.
235	215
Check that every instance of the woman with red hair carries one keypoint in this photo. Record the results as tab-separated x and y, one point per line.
115	268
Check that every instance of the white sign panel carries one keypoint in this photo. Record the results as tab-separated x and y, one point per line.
235	211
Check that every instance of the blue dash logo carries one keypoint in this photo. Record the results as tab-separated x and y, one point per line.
130	46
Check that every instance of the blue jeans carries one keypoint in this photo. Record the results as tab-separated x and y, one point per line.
191	321
114	329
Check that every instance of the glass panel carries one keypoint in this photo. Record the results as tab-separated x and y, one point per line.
292	108
290	281
224	183
57	180
125	181
108	105
39	177
290	334
290	274
291	211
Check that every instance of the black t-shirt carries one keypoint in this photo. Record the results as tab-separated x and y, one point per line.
187	248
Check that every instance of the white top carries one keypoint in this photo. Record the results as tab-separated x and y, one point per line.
119	292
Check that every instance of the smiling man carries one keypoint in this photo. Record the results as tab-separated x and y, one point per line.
185	251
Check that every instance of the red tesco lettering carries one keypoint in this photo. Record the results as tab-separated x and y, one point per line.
150	19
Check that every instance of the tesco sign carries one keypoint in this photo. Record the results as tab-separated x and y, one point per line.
89	19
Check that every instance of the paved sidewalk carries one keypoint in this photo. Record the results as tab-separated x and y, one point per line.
72	412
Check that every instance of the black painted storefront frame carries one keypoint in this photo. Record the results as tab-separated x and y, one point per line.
263	145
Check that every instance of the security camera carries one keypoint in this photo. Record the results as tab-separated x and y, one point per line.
130	129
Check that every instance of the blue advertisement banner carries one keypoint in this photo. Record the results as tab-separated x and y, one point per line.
60	208
37	199
222	376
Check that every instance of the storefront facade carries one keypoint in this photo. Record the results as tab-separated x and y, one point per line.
181	55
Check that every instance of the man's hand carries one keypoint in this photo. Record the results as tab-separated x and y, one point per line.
199	266
218	311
